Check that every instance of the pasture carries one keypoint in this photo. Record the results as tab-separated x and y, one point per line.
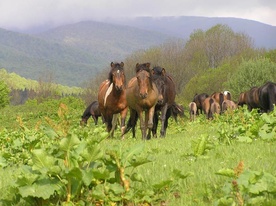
47	158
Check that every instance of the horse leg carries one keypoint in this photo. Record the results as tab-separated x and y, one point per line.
95	120
123	119
113	124
155	124
163	119
142	125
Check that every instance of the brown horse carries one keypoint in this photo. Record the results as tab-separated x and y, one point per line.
227	95
210	107
219	97
192	110
166	100
199	99
228	105
242	99
92	110
112	97
142	96
252	99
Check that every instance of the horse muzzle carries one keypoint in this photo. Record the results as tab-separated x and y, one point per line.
143	95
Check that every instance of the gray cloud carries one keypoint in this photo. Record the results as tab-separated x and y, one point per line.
23	14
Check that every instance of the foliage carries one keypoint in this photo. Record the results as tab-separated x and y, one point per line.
251	73
245	126
247	187
60	164
4	94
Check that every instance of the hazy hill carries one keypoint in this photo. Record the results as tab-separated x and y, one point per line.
263	35
72	53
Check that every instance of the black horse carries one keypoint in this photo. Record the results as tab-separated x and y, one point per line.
199	99
267	96
91	110
167	91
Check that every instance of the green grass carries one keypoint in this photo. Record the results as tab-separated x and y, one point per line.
176	151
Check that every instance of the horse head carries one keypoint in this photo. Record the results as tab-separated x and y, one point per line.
159	78
144	79
117	76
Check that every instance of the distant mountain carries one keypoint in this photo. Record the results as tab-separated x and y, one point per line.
263	35
72	53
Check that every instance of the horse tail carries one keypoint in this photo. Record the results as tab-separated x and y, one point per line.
210	113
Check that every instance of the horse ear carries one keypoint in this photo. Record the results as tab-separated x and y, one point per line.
163	72
137	65
122	64
152	71
112	64
148	65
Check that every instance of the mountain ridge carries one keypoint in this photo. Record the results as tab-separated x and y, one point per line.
75	52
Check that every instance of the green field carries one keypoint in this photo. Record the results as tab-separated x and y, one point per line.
47	158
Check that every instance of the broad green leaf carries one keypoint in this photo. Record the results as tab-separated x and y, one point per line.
134	150
226	172
67	143
162	184
42	189
87	176
244	139
42	161
179	174
135	162
116	188
137	177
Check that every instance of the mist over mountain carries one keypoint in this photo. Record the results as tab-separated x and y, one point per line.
76	52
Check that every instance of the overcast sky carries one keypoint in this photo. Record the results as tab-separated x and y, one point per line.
22	14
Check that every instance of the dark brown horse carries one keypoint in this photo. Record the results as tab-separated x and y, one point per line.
199	99
92	110
177	110
267	96
252	99
142	96
166	100
242	99
112	97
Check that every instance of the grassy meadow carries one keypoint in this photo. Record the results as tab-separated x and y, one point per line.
47	158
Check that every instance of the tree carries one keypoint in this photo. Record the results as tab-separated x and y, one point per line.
251	73
4	94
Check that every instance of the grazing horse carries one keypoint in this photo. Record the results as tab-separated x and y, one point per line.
210	107
192	110
199	99
228	105
166	100
252	99
142	96
112	97
92	110
227	95
242	99
177	110
267	96
219	97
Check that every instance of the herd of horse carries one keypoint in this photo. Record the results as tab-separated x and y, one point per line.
150	96
262	98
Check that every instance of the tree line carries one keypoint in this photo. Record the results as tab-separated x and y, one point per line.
213	60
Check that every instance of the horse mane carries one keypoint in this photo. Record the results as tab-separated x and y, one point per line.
145	67
115	66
